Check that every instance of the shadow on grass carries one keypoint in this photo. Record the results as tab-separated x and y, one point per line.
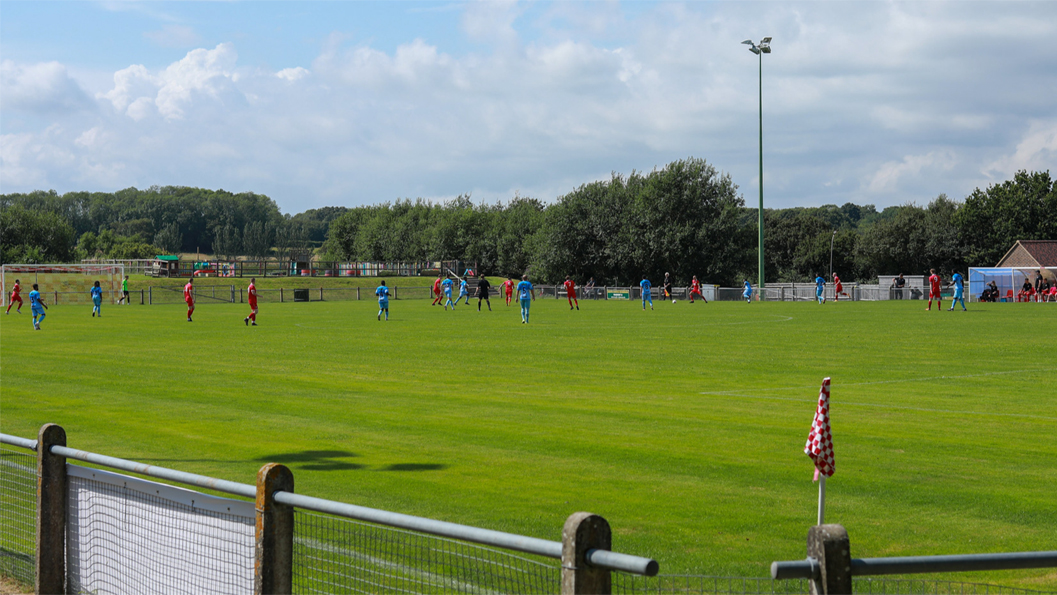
315	460
414	467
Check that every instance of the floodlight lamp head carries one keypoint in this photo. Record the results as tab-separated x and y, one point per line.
747	42
765	49
765	41
755	50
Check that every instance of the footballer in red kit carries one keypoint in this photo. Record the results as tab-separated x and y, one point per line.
508	289
934	289
695	289
436	292
189	297
570	291
251	297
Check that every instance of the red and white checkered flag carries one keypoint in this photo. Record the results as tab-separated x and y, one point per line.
820	441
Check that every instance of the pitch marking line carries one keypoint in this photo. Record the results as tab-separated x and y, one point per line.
924	379
884	406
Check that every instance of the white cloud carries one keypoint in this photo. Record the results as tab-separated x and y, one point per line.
1037	151
173	36
201	73
293	74
892	173
40	88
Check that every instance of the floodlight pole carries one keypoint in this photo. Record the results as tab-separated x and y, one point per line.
760	50
760	54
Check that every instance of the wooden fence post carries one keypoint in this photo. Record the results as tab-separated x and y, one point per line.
829	545
584	531
51	511
274	557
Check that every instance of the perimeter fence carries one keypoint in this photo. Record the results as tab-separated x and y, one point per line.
206	294
88	530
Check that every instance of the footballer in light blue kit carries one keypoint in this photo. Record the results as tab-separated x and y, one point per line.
525	294
446	284
747	294
820	289
97	300
959	291
383	300
463	291
37	306
647	295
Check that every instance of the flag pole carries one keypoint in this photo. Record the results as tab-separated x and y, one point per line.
821	498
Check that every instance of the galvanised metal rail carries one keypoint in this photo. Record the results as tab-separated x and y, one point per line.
521	543
532	545
810	568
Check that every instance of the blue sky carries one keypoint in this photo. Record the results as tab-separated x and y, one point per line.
348	103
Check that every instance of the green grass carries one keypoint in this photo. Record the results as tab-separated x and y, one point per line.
683	426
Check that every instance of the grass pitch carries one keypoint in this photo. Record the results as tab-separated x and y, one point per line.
683	426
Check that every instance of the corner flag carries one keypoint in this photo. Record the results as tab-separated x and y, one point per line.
820	441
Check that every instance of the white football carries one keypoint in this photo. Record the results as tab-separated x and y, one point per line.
673	301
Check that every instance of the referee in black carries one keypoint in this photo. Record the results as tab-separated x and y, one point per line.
482	293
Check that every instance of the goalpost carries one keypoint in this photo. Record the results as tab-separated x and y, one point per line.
62	283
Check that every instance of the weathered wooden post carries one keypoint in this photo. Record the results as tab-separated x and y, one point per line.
51	511
829	545
274	558
584	531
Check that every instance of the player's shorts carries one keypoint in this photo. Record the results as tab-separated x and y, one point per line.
383	304
934	295
37	310
572	294
958	295
436	291
253	307
125	293
510	294
97	300
526	302
746	295
447	292
818	291
840	288
190	303
483	296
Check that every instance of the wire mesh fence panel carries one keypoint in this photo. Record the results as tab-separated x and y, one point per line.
337	555
18	518
628	584
911	586
127	535
690	584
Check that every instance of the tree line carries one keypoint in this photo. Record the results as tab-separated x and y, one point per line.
685	218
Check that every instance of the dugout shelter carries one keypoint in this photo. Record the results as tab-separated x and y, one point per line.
1020	263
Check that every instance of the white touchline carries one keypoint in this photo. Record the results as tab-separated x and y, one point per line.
925	379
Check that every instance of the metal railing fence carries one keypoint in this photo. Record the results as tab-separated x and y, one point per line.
18	504
335	546
338	555
831	569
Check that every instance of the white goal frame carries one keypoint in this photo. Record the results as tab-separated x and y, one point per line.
13	269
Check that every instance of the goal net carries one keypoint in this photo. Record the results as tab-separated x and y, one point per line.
62	283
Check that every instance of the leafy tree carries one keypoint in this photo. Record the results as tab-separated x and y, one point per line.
169	239
227	242
992	220
256	239
34	237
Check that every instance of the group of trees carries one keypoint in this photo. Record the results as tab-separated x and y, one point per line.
49	227
685	218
